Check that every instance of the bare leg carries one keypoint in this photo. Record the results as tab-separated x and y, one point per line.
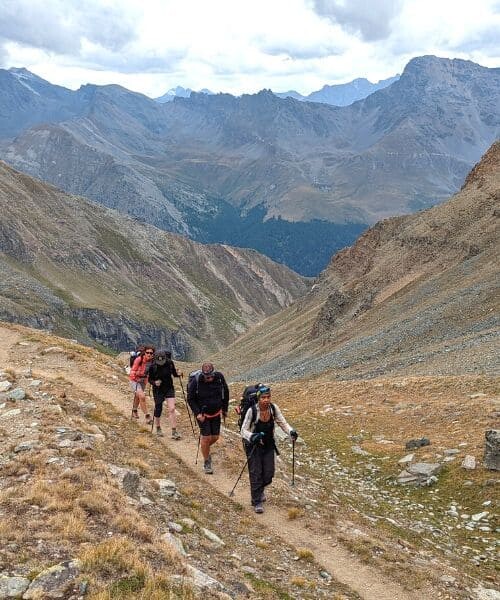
171	412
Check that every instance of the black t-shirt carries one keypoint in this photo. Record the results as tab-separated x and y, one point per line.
163	373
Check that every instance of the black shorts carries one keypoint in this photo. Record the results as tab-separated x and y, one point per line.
160	395
210	426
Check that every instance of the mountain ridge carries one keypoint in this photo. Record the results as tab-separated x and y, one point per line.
401	149
82	270
389	303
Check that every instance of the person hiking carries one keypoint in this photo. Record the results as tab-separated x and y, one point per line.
257	432
160	377
138	380
208	397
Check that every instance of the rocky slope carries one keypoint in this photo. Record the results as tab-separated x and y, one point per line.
260	158
87	272
415	294
81	482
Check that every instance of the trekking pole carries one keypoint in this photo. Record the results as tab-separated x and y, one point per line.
293	462
231	493
198	449
187	408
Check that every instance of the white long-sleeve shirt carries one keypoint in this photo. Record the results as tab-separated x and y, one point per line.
248	427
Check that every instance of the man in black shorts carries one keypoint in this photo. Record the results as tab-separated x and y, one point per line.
208	397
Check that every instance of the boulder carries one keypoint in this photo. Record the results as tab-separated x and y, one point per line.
16	394
418	443
492	449
129	480
166	487
54	582
174	541
5	386
469	462
13	587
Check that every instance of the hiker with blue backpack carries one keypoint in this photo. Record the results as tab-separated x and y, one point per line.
208	398
257	431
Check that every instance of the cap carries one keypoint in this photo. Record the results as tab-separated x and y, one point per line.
207	369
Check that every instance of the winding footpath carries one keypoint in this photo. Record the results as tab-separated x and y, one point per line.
368	582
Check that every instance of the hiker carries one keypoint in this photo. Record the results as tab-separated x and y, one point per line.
258	433
138	380
208	397
160	376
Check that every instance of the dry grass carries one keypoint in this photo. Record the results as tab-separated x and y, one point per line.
142	466
299	581
305	554
132	525
95	503
70	526
294	513
263	544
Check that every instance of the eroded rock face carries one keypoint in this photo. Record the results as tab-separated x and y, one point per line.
492	449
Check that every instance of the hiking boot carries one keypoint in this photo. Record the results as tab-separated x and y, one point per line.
159	432
135	414
149	419
207	466
175	434
259	509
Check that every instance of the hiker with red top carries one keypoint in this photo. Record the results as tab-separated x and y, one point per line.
208	397
257	432
138	380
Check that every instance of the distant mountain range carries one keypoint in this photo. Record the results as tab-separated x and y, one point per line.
179	92
416	294
342	94
295	180
87	272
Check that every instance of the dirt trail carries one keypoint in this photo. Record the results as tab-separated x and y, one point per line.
367	581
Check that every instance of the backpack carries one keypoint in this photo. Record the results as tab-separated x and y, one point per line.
195	375
133	355
248	399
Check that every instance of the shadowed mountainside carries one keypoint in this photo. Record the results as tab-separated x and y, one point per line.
85	271
415	294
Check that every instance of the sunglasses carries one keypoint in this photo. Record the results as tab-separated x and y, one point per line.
148	352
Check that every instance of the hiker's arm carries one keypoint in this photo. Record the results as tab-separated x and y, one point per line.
192	398
246	432
281	421
225	399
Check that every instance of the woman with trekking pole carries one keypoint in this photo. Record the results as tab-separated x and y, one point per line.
138	380
160	376
258	433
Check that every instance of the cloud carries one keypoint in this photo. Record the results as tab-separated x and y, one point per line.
371	19
60	25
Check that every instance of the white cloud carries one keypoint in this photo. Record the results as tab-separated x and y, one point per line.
236	45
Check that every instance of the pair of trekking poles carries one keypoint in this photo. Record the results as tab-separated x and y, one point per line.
292	483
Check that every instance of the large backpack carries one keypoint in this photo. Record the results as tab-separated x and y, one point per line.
133	355
195	376
248	400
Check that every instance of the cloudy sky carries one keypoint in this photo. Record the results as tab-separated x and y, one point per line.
239	46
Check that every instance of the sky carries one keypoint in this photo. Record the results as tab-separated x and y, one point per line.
239	46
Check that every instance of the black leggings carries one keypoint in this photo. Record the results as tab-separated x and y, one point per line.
159	398
260	469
